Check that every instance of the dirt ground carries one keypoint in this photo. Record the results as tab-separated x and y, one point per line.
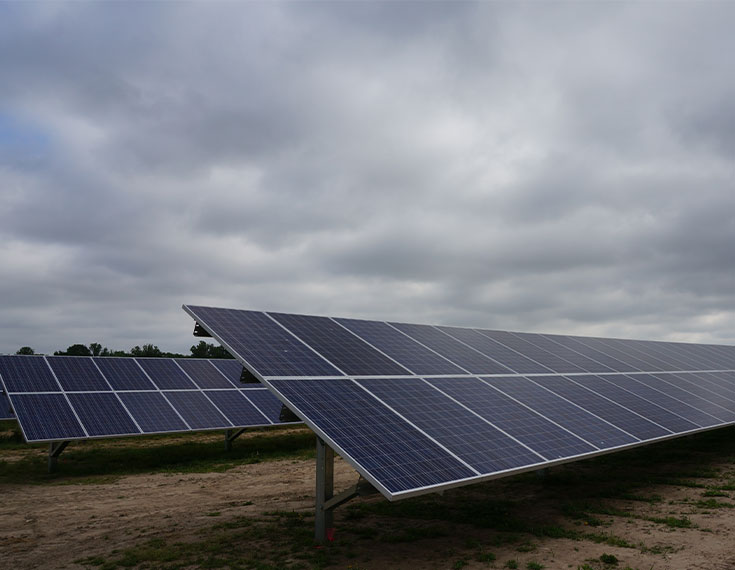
52	526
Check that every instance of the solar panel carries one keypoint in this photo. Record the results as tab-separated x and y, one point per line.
418	408
61	398
6	410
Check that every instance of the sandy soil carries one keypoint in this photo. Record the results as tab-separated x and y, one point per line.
51	526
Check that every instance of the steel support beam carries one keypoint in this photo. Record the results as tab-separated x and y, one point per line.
230	436
324	518
54	450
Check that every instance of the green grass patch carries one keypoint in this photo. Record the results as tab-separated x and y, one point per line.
102	461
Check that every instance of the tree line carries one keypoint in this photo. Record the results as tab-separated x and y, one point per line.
201	350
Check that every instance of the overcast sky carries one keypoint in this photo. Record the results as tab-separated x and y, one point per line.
565	168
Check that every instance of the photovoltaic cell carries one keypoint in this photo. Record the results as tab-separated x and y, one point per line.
197	410
267	347
630	362
675	388
512	360
398	456
232	370
102	414
237	408
682	409
569	355
152	412
580	422
265	402
165	374
339	346
46	417
6	412
608	360
529	427
27	374
614	413
460	354
409	353
124	373
204	374
629	400
462	432
77	373
551	360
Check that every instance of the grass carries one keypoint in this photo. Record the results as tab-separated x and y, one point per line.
102	461
575	502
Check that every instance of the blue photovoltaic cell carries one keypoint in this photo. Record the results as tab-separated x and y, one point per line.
719	354
6	412
265	402
166	374
204	374
569	355
397	455
527	426
232	369
78	374
27	374
618	350
406	351
46	417
124	373
551	360
723	381
635	385
510	359
697	383
467	436
460	354
152	412
646	408
339	346
197	410
681	359
262	343
580	422
630	362
573	343
608	410
645	351
102	414
700	357
237	408
673	387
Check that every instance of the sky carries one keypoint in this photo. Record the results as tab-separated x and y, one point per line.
541	167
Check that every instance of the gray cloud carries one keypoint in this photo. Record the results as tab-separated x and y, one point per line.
559	167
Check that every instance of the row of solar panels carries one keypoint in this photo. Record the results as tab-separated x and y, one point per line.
279	345
409	434
65	397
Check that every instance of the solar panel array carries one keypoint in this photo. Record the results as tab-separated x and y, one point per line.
6	412
60	398
419	408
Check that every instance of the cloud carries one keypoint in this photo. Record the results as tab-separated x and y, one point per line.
530	167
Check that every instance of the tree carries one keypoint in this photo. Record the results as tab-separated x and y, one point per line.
95	348
208	350
25	350
75	350
147	350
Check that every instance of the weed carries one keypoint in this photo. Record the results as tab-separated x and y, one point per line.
609	559
511	564
534	566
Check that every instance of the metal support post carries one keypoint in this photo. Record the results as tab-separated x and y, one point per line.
324	518
230	436
54	450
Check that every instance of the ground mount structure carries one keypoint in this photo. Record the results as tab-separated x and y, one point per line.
420	408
